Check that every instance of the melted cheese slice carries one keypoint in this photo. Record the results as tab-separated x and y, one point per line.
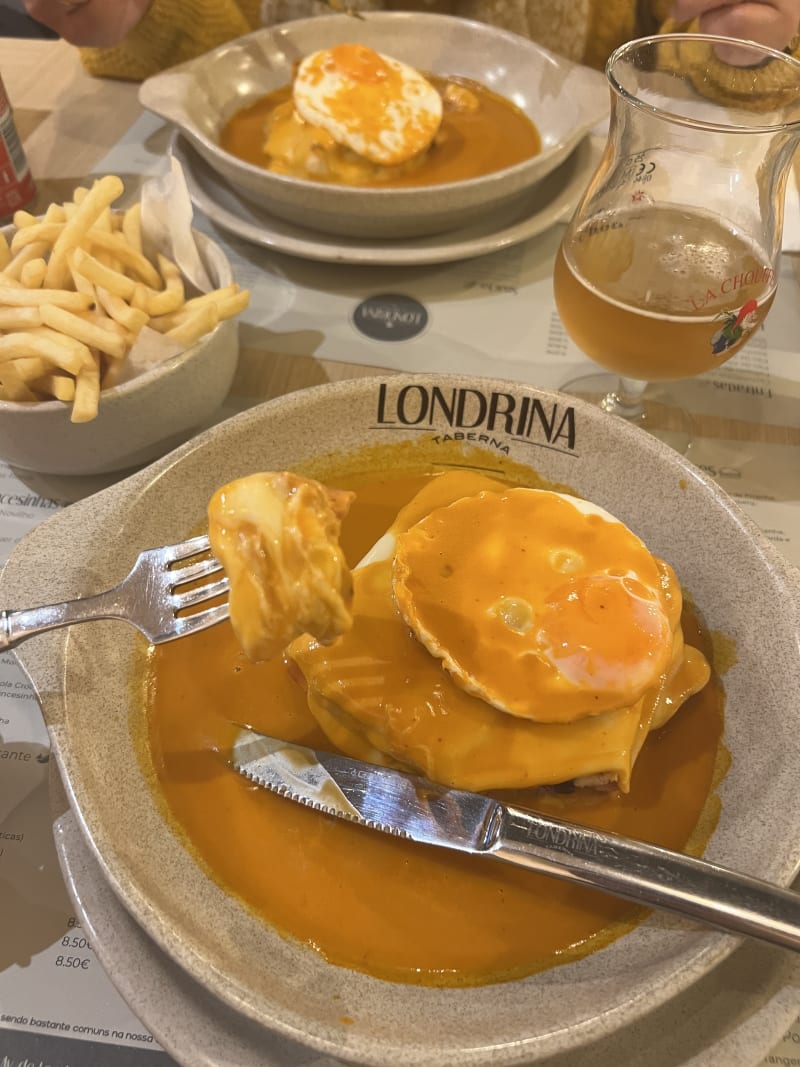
380	696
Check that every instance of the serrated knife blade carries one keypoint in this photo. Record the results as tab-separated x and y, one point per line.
410	806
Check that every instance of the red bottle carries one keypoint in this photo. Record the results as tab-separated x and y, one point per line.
17	188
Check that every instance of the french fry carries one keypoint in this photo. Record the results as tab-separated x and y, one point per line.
230	300
116	308
55	386
172	296
64	343
199	322
13	269
102	193
96	272
77	289
127	256
132	226
32	274
39	342
12	319
82	285
22	297
30	367
81	330
55	213
23	219
85	404
13	385
47	232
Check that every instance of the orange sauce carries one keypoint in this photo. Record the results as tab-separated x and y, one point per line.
369	901
471	143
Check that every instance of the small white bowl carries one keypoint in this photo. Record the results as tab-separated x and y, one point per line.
138	420
562	99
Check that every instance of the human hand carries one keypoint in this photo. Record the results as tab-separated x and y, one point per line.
93	23
770	22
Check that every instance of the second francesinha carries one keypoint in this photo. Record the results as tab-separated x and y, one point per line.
504	638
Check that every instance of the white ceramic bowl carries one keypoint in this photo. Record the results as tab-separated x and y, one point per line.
743	586
138	420
564	101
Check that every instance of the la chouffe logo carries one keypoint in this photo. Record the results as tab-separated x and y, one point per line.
735	324
390	317
492	418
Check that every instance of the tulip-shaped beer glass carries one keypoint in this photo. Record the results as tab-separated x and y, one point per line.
670	262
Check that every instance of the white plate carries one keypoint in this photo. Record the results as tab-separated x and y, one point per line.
552	200
733	1016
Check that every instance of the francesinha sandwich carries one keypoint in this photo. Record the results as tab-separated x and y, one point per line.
499	637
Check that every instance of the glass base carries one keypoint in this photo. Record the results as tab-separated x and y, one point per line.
656	411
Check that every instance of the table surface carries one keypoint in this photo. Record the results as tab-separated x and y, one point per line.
68	122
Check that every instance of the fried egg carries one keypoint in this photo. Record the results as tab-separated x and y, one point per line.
538	603
377	106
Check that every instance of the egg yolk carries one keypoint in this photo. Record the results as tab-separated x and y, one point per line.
359	63
596	628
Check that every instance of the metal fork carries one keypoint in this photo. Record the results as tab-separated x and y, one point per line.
148	598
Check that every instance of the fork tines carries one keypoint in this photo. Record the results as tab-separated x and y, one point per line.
174	556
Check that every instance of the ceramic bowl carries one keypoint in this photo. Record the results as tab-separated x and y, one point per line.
745	589
564	101
138	420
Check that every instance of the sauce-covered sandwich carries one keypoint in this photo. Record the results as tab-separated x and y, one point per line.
502	635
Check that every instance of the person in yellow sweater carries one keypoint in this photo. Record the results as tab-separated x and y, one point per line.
136	38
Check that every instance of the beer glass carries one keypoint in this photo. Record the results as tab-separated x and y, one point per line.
670	262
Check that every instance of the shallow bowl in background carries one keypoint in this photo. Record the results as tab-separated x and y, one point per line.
563	99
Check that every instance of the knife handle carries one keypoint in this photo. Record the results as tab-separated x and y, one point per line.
648	875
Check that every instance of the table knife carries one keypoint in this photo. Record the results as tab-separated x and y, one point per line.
412	807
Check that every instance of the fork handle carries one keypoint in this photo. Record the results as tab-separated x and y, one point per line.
18	626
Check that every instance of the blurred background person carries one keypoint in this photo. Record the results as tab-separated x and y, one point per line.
136	38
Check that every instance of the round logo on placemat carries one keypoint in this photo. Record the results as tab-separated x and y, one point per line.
390	317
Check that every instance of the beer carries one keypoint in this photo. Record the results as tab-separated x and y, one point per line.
661	292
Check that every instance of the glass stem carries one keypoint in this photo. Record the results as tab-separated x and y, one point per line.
626	400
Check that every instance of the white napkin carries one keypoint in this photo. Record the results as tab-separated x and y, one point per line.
167	224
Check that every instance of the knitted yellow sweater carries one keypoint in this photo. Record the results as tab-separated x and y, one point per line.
175	30
586	31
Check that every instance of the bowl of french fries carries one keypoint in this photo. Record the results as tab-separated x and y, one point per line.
111	353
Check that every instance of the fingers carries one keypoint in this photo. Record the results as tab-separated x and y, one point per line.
771	22
89	23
